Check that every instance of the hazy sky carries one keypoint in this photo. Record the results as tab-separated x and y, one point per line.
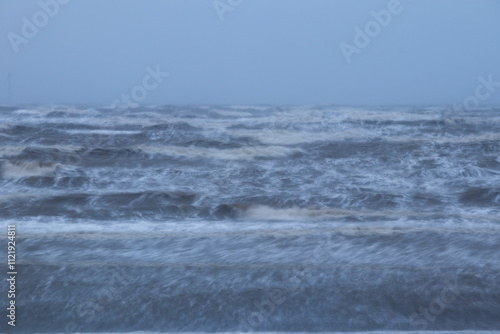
262	52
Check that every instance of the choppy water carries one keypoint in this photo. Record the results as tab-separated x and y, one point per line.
253	218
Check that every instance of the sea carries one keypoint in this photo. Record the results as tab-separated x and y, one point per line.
305	219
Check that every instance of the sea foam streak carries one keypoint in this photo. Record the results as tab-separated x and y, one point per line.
21	169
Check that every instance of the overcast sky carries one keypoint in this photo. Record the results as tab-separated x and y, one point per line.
253	52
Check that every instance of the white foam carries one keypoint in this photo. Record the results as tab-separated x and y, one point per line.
37	112
8	151
21	169
444	140
104	132
12	196
264	212
285	137
244	153
43	226
233	113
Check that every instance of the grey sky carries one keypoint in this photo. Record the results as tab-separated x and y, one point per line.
263	52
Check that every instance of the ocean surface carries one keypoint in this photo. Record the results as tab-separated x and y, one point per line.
262	219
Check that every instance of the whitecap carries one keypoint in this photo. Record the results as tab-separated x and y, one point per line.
244	153
21	169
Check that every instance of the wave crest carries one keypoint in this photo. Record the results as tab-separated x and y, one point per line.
22	169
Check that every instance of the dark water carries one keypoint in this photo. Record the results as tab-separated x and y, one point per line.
261	219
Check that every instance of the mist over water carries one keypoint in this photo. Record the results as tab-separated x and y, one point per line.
253	218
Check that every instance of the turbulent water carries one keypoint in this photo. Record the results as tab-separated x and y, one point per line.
252	218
